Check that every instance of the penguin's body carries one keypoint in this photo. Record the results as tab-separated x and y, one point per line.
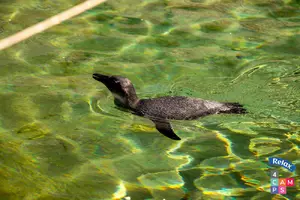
162	109
179	107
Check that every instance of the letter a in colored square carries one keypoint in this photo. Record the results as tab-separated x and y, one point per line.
274	190
290	182
274	173
282	182
274	181
281	190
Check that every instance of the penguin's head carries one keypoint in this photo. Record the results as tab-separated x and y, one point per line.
121	88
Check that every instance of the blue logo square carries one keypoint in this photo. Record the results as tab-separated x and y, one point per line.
274	190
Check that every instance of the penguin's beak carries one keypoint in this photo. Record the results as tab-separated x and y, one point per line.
100	77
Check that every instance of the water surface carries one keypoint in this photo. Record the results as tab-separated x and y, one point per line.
61	136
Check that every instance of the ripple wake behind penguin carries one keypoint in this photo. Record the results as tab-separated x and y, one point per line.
162	109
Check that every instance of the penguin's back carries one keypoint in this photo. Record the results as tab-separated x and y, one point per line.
178	107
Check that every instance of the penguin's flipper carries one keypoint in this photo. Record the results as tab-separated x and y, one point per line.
164	127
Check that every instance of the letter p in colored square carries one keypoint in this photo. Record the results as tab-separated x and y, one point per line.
274	190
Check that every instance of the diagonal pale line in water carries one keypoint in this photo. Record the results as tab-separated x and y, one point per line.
248	72
138	39
48	23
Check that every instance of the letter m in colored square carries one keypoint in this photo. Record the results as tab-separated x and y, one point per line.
290	182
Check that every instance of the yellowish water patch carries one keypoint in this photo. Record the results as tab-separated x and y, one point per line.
264	146
121	191
219	163
221	184
240	127
33	130
161	180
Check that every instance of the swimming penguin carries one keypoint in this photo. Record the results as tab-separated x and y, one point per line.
162	109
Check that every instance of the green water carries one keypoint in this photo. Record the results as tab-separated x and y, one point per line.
61	136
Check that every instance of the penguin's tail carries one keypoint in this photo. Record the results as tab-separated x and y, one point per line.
234	108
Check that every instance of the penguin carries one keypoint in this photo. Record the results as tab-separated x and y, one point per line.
161	110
